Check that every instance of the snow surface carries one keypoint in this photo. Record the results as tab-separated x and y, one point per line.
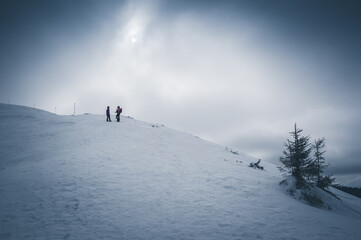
80	177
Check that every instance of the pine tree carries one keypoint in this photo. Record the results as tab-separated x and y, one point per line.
296	158
319	147
319	164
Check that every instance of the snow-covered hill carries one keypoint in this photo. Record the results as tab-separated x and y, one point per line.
79	177
349	180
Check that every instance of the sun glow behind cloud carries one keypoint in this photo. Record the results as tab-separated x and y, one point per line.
133	22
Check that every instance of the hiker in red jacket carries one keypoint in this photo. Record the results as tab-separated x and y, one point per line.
118	112
108	114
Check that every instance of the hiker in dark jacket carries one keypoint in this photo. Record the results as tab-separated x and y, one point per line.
108	114
118	112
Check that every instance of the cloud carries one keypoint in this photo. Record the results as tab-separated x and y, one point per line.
234	73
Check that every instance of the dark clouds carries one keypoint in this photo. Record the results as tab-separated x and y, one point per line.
36	29
325	27
235	72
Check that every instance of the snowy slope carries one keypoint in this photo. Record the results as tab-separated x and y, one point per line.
65	177
350	180
354	182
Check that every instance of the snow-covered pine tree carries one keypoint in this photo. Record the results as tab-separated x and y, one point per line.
296	158
319	164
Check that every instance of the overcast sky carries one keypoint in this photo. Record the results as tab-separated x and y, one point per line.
238	73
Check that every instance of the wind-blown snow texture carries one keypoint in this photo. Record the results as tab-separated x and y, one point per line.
66	177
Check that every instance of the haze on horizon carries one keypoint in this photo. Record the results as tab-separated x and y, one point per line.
238	73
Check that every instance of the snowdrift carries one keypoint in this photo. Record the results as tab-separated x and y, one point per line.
80	177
